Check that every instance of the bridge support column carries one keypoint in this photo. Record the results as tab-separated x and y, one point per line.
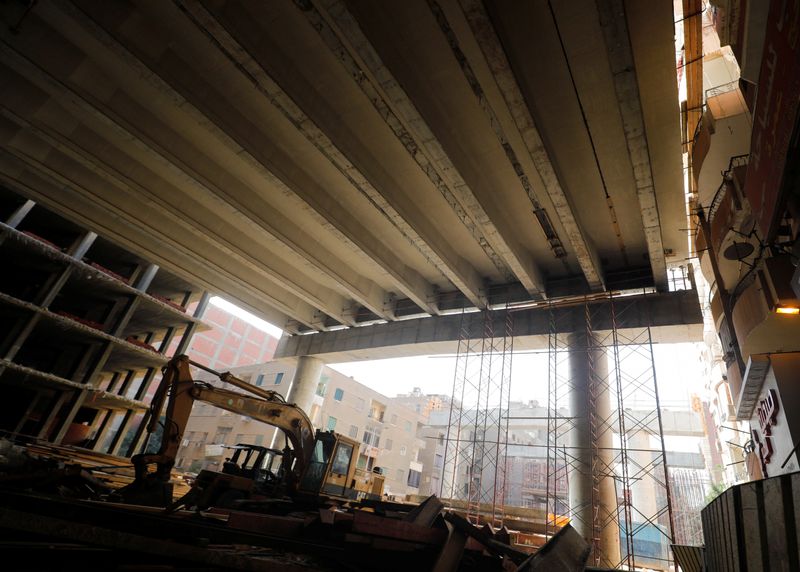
304	385
589	372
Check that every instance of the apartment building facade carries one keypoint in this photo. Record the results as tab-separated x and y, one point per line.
230	341
745	153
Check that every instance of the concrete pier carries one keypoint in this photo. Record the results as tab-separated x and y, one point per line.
588	372
304	385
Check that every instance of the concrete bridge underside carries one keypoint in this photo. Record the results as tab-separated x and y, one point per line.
329	163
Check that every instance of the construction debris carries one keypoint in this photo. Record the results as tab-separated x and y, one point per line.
59	499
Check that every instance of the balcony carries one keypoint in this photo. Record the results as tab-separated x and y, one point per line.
723	132
377	411
730	224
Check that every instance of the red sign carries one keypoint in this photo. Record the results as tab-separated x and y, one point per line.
767	413
775	112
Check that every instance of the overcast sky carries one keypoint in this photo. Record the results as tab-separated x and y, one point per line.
678	372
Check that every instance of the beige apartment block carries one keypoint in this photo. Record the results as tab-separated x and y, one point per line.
388	428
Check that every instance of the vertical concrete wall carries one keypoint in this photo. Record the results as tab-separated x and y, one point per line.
589	372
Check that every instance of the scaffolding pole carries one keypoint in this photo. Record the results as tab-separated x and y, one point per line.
475	464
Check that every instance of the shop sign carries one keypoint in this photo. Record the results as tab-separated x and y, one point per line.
767	413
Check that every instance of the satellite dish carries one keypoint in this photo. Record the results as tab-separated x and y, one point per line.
738	251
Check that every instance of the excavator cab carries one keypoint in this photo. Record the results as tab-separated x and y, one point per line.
332	470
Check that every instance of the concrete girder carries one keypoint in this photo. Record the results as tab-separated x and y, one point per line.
329	301
495	56
673	316
361	59
614	25
363	291
100	212
408	281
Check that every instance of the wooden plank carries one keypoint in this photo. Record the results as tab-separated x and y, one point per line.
426	512
374	525
450	557
567	551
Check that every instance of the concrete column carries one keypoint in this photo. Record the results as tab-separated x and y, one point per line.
304	384
580	483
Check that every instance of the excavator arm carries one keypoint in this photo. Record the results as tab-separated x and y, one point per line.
180	392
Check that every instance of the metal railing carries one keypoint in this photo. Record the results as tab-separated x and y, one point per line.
727	177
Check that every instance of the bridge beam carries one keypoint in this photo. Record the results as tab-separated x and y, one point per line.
674	316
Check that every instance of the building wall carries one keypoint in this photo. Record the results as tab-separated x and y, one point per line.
388	430
230	342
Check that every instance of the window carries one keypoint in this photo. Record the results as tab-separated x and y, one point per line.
408	426
400	475
438	461
331	423
353	432
413	478
359	404
222	434
322	388
403	450
260	379
278	378
259	440
372	436
338	394
441	438
388	444
376	411
341	461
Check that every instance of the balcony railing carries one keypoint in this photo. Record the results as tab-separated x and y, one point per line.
727	180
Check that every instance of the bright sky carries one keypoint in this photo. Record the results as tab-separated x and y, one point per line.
246	316
678	373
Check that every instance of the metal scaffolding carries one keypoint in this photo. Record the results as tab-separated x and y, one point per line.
477	435
637	460
604	431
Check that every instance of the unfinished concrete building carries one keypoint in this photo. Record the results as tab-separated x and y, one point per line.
87	325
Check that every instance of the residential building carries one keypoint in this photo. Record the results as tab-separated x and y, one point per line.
230	342
744	155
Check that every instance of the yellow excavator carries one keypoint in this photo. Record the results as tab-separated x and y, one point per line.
313	466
